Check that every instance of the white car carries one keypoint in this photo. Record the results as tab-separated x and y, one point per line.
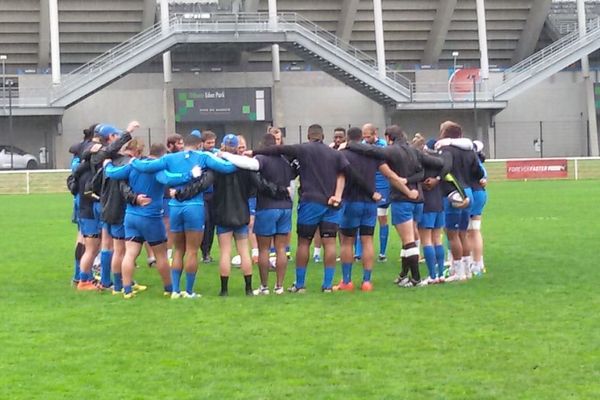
20	159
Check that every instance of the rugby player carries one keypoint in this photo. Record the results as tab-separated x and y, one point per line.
382	186
210	141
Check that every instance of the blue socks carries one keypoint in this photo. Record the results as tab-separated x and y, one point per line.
168	288
85	276
346	272
384	232
430	259
105	260
328	277
176	279
190	278
127	289
440	257
367	275
118	277
300	276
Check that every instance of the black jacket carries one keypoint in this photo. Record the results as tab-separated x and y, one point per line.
231	194
115	195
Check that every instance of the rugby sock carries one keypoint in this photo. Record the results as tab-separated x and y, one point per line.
439	255
105	259
224	284
367	275
328	277
170	254
357	247
466	265
254	253
300	276
248	282
176	279
410	261
118	277
190	279
429	253
346	272
127	289
168	288
85	276
384	231
79	250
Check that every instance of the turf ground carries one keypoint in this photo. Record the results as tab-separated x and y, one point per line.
529	329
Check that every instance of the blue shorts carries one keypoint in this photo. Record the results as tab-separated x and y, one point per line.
312	214
359	213
273	221
479	200
458	218
166	208
145	229
116	231
237	230
187	217
92	226
404	211
252	205
385	198
432	220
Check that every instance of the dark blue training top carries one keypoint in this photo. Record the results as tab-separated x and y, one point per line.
366	167
278	170
319	168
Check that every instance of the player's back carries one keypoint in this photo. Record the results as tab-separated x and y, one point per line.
465	166
146	183
364	166
319	167
278	170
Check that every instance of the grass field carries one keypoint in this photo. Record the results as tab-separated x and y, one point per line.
529	329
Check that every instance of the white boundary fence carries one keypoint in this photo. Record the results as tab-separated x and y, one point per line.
54	180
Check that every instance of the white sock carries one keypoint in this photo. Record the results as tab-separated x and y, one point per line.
317	252
254	252
169	253
457	266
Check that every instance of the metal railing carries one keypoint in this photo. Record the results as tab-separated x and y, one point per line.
226	23
549	55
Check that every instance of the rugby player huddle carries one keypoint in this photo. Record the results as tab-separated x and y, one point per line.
169	198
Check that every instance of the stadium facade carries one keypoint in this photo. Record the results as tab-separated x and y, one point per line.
222	76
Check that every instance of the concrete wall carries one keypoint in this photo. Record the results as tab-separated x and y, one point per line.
306	98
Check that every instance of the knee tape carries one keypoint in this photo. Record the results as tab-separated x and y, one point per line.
474	225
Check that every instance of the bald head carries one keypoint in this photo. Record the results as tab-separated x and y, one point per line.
369	133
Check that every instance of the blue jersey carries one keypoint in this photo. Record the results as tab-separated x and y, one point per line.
152	184
381	182
182	163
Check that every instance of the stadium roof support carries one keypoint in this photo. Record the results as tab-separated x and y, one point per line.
54	41
532	29
437	35
346	21
148	13
44	41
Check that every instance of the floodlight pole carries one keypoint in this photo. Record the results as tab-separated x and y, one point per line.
10	125
3	59
475	122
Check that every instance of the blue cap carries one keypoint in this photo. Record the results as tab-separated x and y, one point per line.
196	133
106	130
430	144
231	140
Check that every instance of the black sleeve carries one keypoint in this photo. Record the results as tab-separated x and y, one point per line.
267	187
418	176
128	194
292	150
431	162
358	180
111	151
81	168
448	160
199	185
368	150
